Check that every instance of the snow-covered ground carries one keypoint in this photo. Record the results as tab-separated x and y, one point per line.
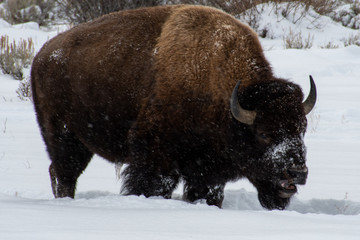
327	207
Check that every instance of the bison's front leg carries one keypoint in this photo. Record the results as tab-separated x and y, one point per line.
214	194
148	180
153	158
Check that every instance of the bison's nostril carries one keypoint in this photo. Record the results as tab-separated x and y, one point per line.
298	169
299	175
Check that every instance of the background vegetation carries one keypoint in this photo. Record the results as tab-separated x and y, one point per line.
15	56
45	12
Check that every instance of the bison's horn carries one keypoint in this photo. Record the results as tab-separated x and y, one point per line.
240	114
310	101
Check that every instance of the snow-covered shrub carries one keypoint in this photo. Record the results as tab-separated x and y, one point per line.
348	15
15	56
78	11
330	45
296	40
353	39
24	90
294	12
21	11
324	7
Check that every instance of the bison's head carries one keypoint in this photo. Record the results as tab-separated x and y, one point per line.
276	124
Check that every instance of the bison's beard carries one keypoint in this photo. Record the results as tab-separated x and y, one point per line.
270	197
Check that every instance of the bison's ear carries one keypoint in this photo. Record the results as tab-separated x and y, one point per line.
240	114
310	101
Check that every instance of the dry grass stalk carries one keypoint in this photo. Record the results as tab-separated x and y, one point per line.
15	56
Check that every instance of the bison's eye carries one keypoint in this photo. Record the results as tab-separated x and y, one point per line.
263	137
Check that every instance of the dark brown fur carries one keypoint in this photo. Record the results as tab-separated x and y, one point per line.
151	88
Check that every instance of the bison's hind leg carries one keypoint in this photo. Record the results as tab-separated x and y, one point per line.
69	158
147	181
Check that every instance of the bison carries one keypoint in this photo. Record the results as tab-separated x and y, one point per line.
176	93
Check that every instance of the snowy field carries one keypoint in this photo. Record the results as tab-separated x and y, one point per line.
327	207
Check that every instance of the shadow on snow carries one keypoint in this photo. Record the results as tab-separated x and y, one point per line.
244	200
240	200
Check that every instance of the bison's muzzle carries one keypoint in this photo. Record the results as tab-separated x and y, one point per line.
299	175
295	175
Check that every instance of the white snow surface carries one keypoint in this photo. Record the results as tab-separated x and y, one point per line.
327	207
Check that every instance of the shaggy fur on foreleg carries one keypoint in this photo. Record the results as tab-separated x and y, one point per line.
145	180
214	195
